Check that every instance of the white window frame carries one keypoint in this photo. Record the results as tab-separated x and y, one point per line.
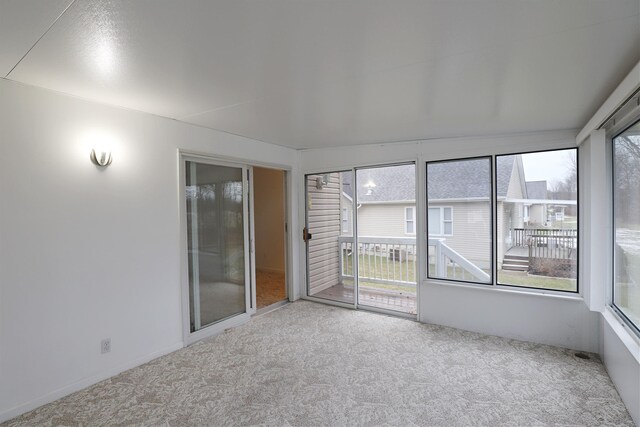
620	311
442	220
345	220
412	220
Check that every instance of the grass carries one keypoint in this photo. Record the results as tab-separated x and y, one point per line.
382	268
518	278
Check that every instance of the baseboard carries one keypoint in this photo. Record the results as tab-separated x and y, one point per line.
84	383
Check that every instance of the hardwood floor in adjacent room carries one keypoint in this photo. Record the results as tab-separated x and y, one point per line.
270	288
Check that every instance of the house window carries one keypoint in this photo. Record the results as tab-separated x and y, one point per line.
540	251
410	220
626	210
345	220
467	184
440	221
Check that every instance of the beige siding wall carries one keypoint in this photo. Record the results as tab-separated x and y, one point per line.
537	215
515	188
324	216
471	227
471	231
382	220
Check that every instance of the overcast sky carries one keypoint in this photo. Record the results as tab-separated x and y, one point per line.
549	166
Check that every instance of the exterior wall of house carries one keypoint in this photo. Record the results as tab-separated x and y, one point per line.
471	236
383	220
514	191
537	215
324	222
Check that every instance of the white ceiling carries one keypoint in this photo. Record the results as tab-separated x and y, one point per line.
314	73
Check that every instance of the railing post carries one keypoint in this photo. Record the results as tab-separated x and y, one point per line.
341	262
440	271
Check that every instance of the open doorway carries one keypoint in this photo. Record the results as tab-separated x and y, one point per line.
270	236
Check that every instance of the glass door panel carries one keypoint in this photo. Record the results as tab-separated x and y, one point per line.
386	236
216	242
329	236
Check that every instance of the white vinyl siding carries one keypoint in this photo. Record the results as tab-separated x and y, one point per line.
469	239
381	220
324	222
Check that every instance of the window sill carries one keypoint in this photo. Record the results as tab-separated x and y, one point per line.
506	289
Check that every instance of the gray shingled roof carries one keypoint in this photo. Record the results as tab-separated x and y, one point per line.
459	179
537	190
447	180
391	183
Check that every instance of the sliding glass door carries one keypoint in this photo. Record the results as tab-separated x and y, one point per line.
386	237
217	242
361	237
329	236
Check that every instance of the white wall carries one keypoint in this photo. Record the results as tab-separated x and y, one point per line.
87	253
562	321
619	346
621	356
269	219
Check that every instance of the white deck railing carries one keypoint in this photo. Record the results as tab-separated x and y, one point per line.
392	260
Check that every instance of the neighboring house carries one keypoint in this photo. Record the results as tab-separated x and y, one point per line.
536	214
459	210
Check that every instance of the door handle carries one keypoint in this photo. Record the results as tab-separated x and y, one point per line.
306	236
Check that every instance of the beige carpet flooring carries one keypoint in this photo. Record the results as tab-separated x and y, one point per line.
311	364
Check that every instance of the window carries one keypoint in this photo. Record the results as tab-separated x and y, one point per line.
537	220
440	221
626	213
409	220
345	220
468	255
517	212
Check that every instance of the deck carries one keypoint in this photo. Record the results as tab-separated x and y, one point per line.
404	302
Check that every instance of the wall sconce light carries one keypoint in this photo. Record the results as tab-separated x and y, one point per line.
101	157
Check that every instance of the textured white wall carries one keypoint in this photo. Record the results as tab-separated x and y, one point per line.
86	253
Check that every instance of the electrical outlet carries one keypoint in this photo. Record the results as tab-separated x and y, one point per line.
105	345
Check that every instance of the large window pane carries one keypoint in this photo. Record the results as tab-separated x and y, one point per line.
626	181
537	219
216	243
385	206
459	220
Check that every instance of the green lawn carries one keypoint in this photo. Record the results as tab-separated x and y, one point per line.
382	268
518	278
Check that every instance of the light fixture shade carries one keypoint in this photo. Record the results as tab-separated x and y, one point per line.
101	157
